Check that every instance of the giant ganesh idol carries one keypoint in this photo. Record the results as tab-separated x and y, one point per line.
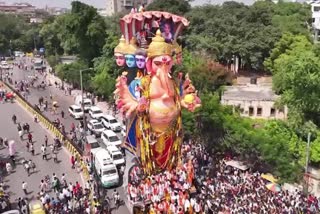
154	130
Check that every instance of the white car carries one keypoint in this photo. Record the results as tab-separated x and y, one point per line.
75	111
4	65
96	127
123	131
116	155
95	112
86	102
110	138
110	122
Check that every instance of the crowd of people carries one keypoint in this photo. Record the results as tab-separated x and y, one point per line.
203	184
68	197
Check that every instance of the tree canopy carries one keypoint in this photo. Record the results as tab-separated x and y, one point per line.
178	7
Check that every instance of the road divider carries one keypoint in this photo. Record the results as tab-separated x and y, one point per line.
71	147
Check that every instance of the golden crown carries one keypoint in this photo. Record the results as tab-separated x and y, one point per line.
132	47
122	46
176	48
159	47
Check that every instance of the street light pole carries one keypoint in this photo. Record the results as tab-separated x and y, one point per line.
307	163
82	105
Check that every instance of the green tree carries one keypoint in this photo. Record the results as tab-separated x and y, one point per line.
292	17
178	7
104	80
105	67
233	29
71	73
88	29
296	75
50	31
287	43
16	34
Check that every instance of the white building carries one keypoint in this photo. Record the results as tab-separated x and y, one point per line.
115	6
254	100
36	20
315	8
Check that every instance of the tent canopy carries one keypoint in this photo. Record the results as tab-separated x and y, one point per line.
269	177
237	164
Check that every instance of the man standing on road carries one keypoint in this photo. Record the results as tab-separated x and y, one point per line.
43	151
30	137
24	187
73	161
62	113
32	149
45	105
46	140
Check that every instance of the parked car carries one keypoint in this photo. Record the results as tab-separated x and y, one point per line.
4	65
75	111
91	146
110	122
110	138
86	102
123	131
116	155
95	112
12	212
95	127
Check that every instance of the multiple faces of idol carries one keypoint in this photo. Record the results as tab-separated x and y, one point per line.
131	60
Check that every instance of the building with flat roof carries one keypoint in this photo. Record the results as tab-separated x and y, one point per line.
255	100
24	9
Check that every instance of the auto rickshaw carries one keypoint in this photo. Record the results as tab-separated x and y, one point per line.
36	207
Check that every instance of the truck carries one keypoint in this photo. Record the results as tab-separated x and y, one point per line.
38	64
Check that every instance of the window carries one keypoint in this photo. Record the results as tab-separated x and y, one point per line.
253	80
315	9
113	121
272	112
259	111
117	157
281	110
110	172
94	145
113	138
77	110
251	111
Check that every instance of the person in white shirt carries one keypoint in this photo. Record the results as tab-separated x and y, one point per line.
24	187
197	207
186	205
8	167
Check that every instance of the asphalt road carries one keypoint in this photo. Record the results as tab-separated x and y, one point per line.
13	181
64	101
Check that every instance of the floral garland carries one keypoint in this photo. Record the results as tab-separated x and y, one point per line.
145	135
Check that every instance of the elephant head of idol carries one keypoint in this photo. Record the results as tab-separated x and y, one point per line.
159	61
119	51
